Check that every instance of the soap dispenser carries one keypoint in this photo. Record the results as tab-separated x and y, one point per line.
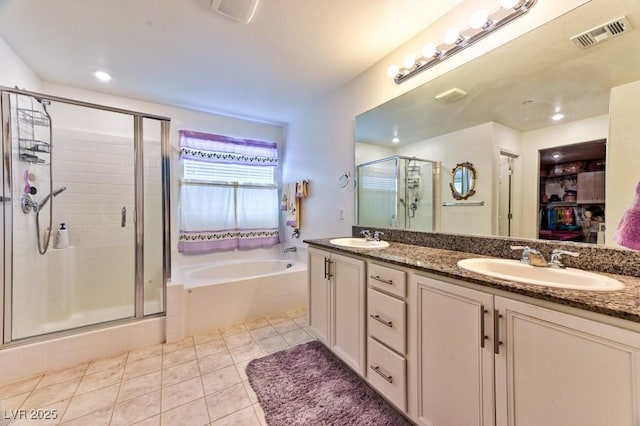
62	237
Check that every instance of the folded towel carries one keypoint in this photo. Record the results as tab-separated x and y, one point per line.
284	200
628	231
302	189
293	207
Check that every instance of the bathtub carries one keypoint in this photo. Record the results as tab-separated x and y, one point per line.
216	294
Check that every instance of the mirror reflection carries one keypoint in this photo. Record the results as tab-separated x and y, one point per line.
463	181
537	95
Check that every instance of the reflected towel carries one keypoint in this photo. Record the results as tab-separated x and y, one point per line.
628	231
302	189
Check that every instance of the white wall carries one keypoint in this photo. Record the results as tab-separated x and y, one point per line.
320	142
623	150
14	72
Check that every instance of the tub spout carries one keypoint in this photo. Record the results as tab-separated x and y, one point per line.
290	250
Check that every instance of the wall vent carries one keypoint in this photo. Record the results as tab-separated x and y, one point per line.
602	33
238	10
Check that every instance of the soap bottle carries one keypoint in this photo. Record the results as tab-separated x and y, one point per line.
62	237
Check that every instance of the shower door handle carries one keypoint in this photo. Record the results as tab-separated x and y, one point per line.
123	218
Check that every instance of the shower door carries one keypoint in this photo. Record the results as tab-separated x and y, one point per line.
76	165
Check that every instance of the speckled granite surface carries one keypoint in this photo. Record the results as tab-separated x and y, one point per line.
623	304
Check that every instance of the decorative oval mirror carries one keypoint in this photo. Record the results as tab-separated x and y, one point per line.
463	181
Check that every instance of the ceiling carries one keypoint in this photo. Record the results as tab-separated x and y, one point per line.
521	84
182	53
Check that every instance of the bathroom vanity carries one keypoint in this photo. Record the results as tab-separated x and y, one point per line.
447	346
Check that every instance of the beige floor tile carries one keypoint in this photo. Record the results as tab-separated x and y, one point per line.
52	412
100	379
239	339
278	318
136	409
180	373
246	352
194	413
139	386
260	414
286	326
233	329
302	322
179	356
92	401
64	375
12	403
19	387
295	337
97	418
181	393
244	417
214	362
227	401
142	367
211	347
107	363
220	379
252	395
272	344
185	343
256	323
51	394
298	312
242	372
207	336
151	421
264	332
144	353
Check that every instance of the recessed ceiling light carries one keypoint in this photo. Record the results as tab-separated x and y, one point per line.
557	117
102	76
555	156
395	139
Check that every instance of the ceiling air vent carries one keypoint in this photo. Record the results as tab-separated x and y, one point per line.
602	33
238	10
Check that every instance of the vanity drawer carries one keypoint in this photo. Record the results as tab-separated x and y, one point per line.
387	373
386	319
387	279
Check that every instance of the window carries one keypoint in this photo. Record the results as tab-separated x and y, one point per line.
228	196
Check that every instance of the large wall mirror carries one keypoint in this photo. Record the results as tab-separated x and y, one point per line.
505	125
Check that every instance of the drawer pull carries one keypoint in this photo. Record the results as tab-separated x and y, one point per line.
384	376
382	280
377	318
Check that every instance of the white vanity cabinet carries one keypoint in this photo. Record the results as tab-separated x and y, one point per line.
337	304
556	369
454	354
387	332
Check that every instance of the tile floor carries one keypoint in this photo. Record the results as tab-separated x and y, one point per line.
198	381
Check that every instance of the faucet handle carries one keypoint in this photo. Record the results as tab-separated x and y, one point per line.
556	257
377	235
366	234
568	253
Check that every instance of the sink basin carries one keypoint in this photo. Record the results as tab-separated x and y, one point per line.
569	278
359	243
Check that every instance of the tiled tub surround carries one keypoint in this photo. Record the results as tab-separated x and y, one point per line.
439	254
200	380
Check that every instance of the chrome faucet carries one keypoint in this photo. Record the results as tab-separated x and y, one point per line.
366	234
377	235
531	256
290	250
556	258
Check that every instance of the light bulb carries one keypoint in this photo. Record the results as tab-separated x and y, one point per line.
395	139
393	70
429	50
509	4
557	117
479	19
409	61
452	35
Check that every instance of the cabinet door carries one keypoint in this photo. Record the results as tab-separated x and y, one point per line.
585	187
348	302
599	187
555	369
319	293
455	360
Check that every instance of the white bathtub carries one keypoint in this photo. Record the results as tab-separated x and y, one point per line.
202	297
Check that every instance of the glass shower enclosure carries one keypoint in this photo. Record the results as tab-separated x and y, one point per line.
85	218
397	192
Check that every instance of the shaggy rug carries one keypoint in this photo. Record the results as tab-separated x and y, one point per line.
308	385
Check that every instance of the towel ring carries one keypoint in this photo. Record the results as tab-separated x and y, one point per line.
344	179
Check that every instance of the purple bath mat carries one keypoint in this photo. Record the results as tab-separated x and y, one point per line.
308	385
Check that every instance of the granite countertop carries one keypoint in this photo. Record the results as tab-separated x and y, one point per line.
624	304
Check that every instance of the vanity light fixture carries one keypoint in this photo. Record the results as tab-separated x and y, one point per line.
481	24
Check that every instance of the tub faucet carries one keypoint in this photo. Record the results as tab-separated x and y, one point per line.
531	256
290	250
